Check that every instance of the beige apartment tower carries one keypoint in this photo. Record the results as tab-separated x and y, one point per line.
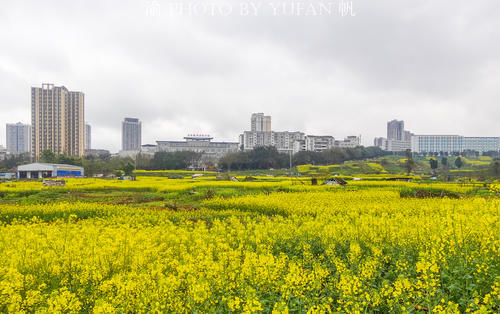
260	123
58	121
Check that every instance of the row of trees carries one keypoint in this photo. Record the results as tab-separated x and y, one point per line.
102	164
259	158
434	163
12	161
169	161
269	157
493	170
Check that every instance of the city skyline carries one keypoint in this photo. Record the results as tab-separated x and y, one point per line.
365	142
182	74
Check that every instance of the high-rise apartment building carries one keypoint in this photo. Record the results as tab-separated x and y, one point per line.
18	138
88	136
131	134
260	123
57	121
398	139
396	130
262	135
286	141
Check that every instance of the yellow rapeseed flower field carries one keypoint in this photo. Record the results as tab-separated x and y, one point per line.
273	247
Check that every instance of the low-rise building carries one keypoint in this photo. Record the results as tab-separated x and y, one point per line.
398	146
97	152
7	175
149	149
3	153
437	143
482	144
316	143
453	144
299	146
44	170
392	145
211	151
348	142
380	142
128	153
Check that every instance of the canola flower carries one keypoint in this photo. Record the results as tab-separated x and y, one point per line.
495	188
311	249
163	184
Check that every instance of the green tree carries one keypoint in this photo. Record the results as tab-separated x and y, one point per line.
459	162
444	161
230	159
410	163
128	169
434	164
173	160
11	161
48	156
68	160
495	168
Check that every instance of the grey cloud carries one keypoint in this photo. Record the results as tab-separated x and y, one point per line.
434	64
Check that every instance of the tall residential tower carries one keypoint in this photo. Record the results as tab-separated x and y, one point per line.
396	130
131	134
260	123
57	121
18	138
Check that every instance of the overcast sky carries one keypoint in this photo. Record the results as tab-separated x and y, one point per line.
321	67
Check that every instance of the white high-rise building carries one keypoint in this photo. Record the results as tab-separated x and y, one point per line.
18	138
57	121
131	134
